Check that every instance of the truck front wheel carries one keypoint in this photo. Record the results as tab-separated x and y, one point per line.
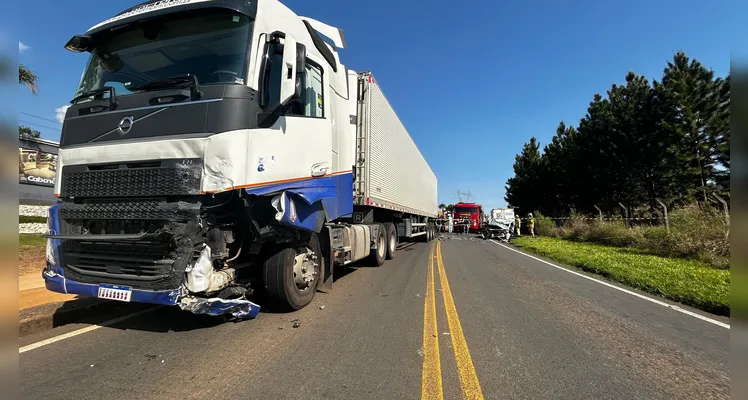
291	275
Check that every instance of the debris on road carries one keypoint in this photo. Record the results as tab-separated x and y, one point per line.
322	307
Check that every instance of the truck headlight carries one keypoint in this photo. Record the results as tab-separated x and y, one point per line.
50	252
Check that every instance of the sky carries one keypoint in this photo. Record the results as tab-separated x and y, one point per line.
471	81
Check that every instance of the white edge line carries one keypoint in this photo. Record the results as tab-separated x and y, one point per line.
641	296
81	331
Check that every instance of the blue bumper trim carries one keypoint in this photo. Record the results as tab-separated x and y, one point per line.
57	283
239	308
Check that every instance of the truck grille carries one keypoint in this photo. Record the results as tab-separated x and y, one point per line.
131	209
142	179
113	262
133	242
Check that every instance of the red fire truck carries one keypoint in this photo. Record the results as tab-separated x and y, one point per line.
468	215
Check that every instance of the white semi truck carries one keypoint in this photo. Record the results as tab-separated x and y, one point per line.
217	148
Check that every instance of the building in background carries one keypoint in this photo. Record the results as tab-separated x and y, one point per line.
37	170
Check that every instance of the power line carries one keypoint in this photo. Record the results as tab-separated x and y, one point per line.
39	125
36	116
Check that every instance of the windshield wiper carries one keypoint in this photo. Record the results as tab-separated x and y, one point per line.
112	96
171	82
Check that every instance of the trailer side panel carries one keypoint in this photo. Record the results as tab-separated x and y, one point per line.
396	175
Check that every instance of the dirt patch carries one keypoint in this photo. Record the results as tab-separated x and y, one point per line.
30	260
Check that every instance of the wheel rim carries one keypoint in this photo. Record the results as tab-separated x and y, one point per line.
392	243
305	269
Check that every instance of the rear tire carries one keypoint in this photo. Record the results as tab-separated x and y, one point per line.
280	281
378	255
391	234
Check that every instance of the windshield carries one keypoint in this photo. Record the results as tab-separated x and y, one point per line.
212	45
466	210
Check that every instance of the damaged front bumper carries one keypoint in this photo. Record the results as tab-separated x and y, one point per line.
239	308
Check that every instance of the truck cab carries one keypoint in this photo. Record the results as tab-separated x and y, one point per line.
208	154
189	113
469	216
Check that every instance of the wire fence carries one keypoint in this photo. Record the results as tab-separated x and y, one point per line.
639	216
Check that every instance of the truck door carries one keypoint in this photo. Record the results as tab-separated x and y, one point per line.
306	137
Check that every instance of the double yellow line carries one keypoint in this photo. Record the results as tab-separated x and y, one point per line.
431	378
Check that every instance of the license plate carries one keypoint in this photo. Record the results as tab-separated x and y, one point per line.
114	292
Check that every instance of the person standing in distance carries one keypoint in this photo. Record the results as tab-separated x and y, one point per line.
531	224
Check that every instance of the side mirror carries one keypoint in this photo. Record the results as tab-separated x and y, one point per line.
300	67
289	71
294	61
79	43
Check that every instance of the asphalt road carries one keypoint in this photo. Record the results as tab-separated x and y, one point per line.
458	318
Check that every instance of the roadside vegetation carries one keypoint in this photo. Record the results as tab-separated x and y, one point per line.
27	219
690	282
697	233
599	189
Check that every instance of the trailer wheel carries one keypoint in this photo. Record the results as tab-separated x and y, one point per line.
378	255
427	236
391	235
291	275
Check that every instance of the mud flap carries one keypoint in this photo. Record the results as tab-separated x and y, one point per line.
325	238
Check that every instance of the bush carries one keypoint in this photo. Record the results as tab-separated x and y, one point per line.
544	226
695	233
614	234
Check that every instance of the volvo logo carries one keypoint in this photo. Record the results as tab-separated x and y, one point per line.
125	124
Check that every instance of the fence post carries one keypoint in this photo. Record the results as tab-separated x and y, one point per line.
667	221
724	206
599	213
625	214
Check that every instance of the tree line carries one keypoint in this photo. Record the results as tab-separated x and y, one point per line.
668	140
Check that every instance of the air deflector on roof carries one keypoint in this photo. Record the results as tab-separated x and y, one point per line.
321	46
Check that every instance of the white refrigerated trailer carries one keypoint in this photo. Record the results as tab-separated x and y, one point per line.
392	179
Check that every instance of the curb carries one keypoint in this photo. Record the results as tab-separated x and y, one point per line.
48	316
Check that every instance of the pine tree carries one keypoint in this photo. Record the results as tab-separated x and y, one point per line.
687	98
523	190
668	141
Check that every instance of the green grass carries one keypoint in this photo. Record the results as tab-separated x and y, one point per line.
24	219
31	240
690	282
